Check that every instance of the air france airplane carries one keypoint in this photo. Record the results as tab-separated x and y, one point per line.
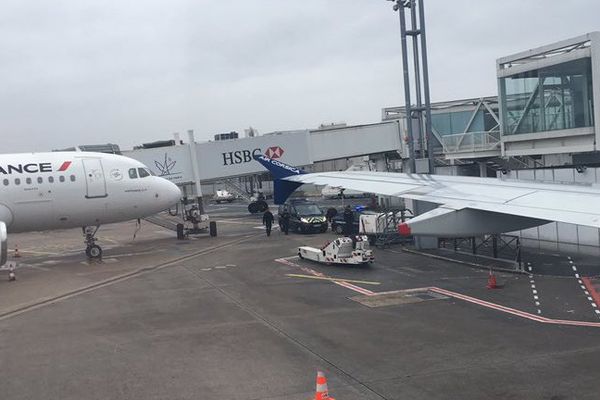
45	191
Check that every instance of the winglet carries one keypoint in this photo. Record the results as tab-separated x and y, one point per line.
282	188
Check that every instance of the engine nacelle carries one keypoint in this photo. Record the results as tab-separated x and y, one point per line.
3	244
446	222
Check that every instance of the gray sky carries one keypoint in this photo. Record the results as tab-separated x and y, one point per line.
98	71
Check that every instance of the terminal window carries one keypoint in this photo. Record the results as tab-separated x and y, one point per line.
547	99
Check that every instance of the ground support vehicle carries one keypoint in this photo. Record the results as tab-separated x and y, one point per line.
344	250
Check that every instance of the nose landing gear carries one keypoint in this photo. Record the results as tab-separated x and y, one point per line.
92	250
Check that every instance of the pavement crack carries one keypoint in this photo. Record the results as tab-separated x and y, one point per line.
280	331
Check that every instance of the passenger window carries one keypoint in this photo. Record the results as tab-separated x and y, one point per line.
133	173
6	182
72	178
61	178
28	181
40	179
50	179
17	181
143	173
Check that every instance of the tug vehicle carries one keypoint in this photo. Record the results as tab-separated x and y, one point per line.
343	250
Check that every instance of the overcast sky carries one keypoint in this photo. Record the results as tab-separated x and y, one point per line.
85	71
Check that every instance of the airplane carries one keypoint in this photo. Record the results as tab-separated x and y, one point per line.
468	206
59	190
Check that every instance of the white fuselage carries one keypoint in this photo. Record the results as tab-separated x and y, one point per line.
44	191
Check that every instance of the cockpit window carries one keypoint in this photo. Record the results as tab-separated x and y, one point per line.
133	173
143	172
151	173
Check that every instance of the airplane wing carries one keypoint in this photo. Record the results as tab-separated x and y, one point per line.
487	205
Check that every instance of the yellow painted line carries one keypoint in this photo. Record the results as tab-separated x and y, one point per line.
325	278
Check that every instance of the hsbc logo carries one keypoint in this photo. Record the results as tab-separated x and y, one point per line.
32	168
245	156
274	152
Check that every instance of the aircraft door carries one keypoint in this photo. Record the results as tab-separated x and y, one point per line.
94	178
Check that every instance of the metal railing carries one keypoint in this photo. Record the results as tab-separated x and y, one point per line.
470	142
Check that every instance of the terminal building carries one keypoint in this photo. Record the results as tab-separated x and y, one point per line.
541	125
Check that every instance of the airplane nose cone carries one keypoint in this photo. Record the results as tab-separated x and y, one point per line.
172	193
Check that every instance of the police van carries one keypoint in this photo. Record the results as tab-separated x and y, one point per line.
305	216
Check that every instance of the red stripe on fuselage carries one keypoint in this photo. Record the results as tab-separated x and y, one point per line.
64	166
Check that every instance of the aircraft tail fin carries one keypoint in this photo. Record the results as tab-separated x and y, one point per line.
282	188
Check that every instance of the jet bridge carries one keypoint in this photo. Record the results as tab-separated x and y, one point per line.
218	160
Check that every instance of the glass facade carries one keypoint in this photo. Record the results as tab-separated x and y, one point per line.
454	122
551	98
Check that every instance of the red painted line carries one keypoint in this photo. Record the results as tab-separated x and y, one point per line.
347	285
469	299
590	288
513	311
488	304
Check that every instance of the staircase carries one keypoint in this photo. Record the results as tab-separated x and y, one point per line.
164	220
236	189
513	163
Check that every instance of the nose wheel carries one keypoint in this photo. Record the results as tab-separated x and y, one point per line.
92	250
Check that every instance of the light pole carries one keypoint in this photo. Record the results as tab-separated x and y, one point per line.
418	118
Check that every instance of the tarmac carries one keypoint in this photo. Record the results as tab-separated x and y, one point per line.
239	316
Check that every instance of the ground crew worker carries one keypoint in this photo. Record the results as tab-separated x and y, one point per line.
268	221
348	221
285	221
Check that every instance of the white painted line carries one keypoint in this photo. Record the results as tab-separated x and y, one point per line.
574	268
537	303
571	261
535	297
581	286
533	286
597	311
221	267
206	269
590	299
594	305
580	281
539	311
586	292
576	275
534	291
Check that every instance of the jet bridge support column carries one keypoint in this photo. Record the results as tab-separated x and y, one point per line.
196	171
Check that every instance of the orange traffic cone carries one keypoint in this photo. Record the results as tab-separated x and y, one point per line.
17	254
322	393
492	280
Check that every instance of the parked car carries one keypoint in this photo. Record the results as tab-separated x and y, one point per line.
305	216
223	196
338	224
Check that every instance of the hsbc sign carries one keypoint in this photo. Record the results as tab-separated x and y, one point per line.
222	159
244	156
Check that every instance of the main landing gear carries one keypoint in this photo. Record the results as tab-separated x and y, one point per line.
92	250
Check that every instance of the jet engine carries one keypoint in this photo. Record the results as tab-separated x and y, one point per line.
3	244
446	222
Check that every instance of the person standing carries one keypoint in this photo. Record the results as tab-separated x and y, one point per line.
285	221
348	221
268	221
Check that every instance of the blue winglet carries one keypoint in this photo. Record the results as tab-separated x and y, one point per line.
283	189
